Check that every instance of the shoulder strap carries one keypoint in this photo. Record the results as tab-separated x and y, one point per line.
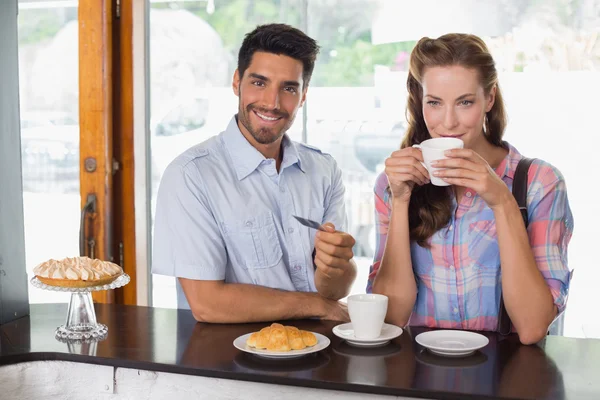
520	186
519	191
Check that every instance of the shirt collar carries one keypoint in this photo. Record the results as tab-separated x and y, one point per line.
246	159
291	156
508	166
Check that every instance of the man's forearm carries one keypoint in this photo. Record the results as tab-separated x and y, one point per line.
238	303
335	287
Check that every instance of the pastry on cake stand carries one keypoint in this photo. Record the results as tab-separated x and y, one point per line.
80	276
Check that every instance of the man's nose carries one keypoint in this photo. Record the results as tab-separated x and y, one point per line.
270	100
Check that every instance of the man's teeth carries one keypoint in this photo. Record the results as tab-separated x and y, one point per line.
266	118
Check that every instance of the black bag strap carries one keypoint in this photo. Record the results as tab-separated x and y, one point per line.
519	191
520	186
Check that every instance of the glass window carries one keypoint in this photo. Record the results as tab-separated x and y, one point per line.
193	55
357	116
49	93
547	54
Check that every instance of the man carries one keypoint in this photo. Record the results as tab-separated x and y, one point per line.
224	217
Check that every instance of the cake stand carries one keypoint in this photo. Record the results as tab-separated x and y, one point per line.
81	324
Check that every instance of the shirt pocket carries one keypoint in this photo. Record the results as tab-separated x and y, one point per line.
483	241
253	242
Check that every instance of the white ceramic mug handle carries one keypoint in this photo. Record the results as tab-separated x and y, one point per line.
418	146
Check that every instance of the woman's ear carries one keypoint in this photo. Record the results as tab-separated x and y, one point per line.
491	99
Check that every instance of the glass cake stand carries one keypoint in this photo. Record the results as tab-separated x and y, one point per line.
81	324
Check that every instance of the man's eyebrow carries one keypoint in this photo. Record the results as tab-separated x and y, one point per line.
258	76
291	83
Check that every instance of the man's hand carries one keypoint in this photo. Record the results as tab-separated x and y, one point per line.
336	311
333	251
333	259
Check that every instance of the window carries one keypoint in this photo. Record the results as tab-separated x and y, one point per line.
546	52
49	93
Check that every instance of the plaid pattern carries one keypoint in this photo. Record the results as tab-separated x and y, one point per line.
458	278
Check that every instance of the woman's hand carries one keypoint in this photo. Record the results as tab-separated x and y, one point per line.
404	169
466	168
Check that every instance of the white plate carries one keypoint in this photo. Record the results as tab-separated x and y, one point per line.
452	343
322	342
346	332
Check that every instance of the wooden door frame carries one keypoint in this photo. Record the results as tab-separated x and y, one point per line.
96	126
106	115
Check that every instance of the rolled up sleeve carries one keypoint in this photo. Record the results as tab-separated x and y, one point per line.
550	229
187	240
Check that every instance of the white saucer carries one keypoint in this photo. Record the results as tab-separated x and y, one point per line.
388	332
322	342
451	343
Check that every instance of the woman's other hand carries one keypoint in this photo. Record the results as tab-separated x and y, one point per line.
404	169
466	168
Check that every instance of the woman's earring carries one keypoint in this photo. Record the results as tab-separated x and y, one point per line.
486	124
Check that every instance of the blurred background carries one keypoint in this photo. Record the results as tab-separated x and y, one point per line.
547	53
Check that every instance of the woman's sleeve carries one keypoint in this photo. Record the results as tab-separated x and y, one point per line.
382	220
550	228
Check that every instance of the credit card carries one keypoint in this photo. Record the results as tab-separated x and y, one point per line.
309	223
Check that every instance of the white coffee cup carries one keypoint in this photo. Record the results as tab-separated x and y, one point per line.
433	149
367	313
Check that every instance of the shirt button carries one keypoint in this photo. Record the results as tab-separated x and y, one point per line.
450	228
248	224
290	230
282	190
452	268
469	194
296	268
455	310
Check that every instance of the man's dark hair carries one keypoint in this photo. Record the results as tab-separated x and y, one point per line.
279	39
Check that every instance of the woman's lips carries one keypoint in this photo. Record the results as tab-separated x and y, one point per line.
452	136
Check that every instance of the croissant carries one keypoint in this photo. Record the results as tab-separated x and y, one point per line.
281	338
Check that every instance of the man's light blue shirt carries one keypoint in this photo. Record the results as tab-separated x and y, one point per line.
223	212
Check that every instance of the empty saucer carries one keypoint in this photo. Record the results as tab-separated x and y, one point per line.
388	332
451	343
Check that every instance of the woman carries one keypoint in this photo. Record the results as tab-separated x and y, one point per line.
442	250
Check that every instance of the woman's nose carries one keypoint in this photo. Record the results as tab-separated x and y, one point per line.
450	119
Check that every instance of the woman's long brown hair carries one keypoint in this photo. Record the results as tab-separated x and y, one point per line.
430	206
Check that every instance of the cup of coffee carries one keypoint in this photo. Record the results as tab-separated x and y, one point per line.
367	313
433	149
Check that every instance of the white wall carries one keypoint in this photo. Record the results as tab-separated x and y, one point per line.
554	116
